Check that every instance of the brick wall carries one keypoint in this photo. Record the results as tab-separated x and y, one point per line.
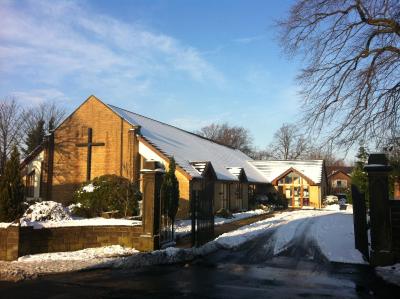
18	241
9	243
70	161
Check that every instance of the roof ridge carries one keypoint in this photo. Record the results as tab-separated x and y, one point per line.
197	135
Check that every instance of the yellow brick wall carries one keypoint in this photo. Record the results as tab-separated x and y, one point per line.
315	196
70	161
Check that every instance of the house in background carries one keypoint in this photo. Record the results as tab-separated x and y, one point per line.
98	139
339	179
303	183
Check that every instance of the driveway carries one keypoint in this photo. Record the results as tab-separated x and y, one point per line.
250	271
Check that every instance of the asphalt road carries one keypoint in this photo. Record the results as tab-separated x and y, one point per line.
248	272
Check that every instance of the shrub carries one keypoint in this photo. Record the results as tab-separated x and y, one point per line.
223	213
276	200
170	191
11	189
107	193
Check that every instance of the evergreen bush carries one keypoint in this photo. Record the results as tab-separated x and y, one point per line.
359	177
107	193
170	191
11	189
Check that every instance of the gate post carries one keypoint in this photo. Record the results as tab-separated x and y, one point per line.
381	247
360	221
151	184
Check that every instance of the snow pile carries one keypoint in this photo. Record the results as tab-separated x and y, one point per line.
45	211
89	253
89	188
390	273
184	227
98	221
331	199
49	214
4	224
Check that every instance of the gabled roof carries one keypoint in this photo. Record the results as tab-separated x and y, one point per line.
331	170
36	151
291	169
271	170
187	147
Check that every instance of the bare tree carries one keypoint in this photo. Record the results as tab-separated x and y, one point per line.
350	85
232	136
259	154
322	152
52	113
10	128
288	143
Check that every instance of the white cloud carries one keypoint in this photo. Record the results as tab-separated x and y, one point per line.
37	96
51	42
249	39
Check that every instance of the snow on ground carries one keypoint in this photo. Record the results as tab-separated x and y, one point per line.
184	227
88	253
334	234
98	221
4	224
390	273
331	230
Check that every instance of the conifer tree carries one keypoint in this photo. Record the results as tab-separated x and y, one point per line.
170	192
11	189
51	125
359	177
35	137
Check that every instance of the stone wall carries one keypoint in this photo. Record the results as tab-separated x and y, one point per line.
9	243
18	241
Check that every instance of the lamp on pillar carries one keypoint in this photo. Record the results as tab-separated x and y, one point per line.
378	186
152	178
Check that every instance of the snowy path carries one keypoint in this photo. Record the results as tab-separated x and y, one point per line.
327	234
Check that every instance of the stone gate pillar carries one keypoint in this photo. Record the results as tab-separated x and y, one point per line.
396	193
151	182
381	247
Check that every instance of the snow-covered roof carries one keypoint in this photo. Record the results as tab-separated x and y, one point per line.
199	166
187	147
313	169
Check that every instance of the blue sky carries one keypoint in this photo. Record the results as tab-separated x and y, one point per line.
188	63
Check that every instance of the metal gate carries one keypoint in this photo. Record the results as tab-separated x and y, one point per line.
166	225
360	221
202	203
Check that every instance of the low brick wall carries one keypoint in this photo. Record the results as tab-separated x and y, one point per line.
9	243
18	241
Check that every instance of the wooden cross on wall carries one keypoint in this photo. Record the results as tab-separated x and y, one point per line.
89	146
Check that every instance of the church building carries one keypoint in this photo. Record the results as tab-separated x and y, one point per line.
98	139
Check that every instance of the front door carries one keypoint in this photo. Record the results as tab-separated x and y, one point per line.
297	196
